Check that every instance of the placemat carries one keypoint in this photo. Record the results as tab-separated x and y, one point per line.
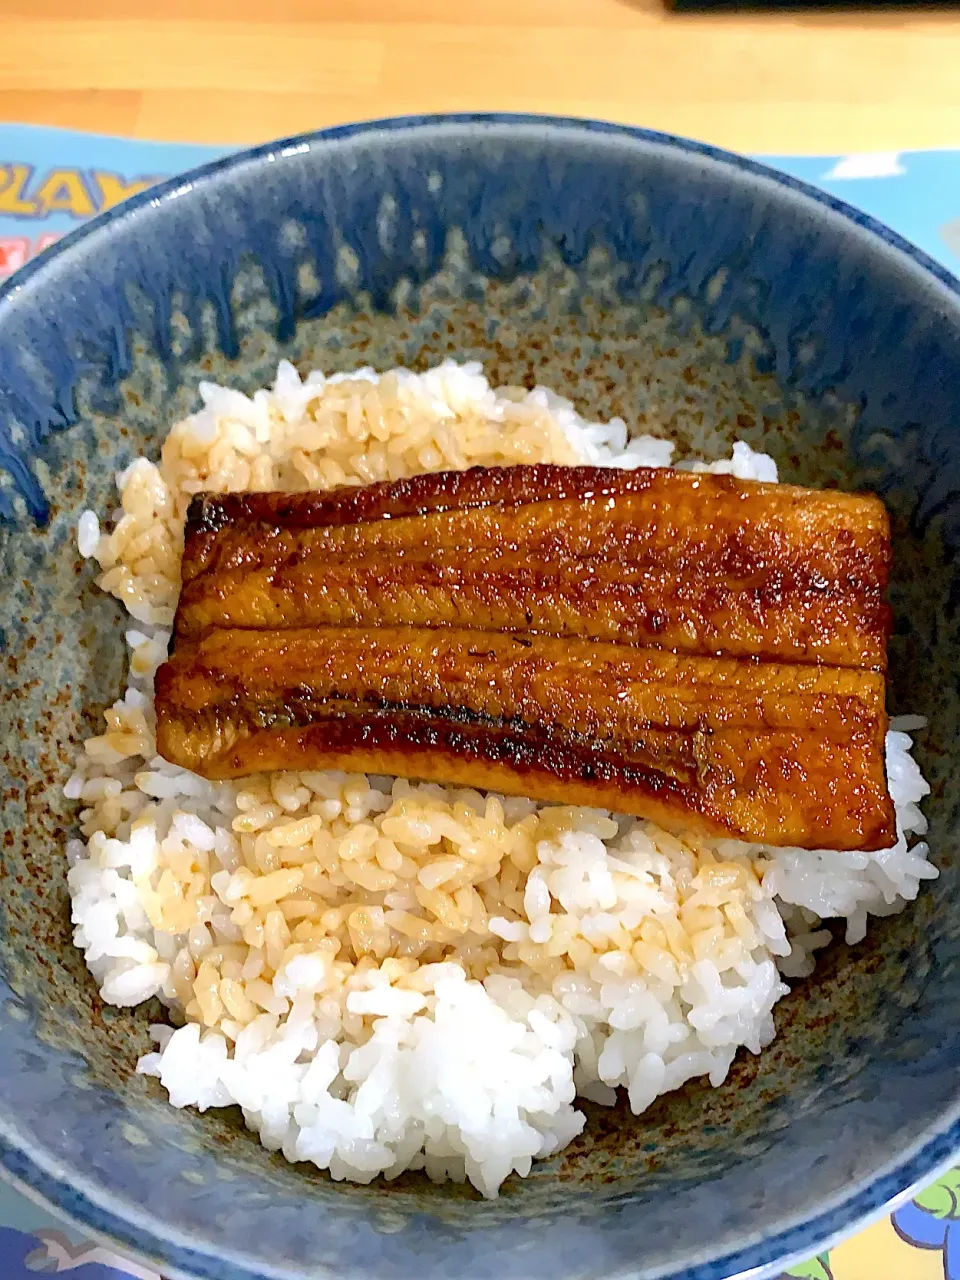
51	180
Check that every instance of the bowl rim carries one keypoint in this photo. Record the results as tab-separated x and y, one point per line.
42	1182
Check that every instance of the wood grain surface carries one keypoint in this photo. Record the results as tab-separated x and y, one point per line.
234	71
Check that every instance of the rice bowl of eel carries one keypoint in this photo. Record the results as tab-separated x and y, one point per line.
502	767
248	861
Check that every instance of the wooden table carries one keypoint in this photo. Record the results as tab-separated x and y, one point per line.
245	70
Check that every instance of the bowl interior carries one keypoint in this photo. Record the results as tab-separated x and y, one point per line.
693	297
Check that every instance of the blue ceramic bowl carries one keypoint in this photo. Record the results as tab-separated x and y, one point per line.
667	282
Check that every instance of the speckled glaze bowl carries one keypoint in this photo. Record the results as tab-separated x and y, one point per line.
691	292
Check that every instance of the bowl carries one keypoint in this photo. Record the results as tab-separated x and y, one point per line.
683	288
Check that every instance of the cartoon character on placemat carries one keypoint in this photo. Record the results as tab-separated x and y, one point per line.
932	1221
33	1244
919	1241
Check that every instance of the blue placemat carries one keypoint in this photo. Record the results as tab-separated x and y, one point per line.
51	180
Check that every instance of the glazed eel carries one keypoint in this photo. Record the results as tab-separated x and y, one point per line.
703	651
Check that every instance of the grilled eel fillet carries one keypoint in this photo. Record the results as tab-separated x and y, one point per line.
765	752
701	564
691	648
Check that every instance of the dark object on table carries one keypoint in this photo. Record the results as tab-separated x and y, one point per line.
773	6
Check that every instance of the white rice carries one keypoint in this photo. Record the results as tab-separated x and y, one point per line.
390	976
